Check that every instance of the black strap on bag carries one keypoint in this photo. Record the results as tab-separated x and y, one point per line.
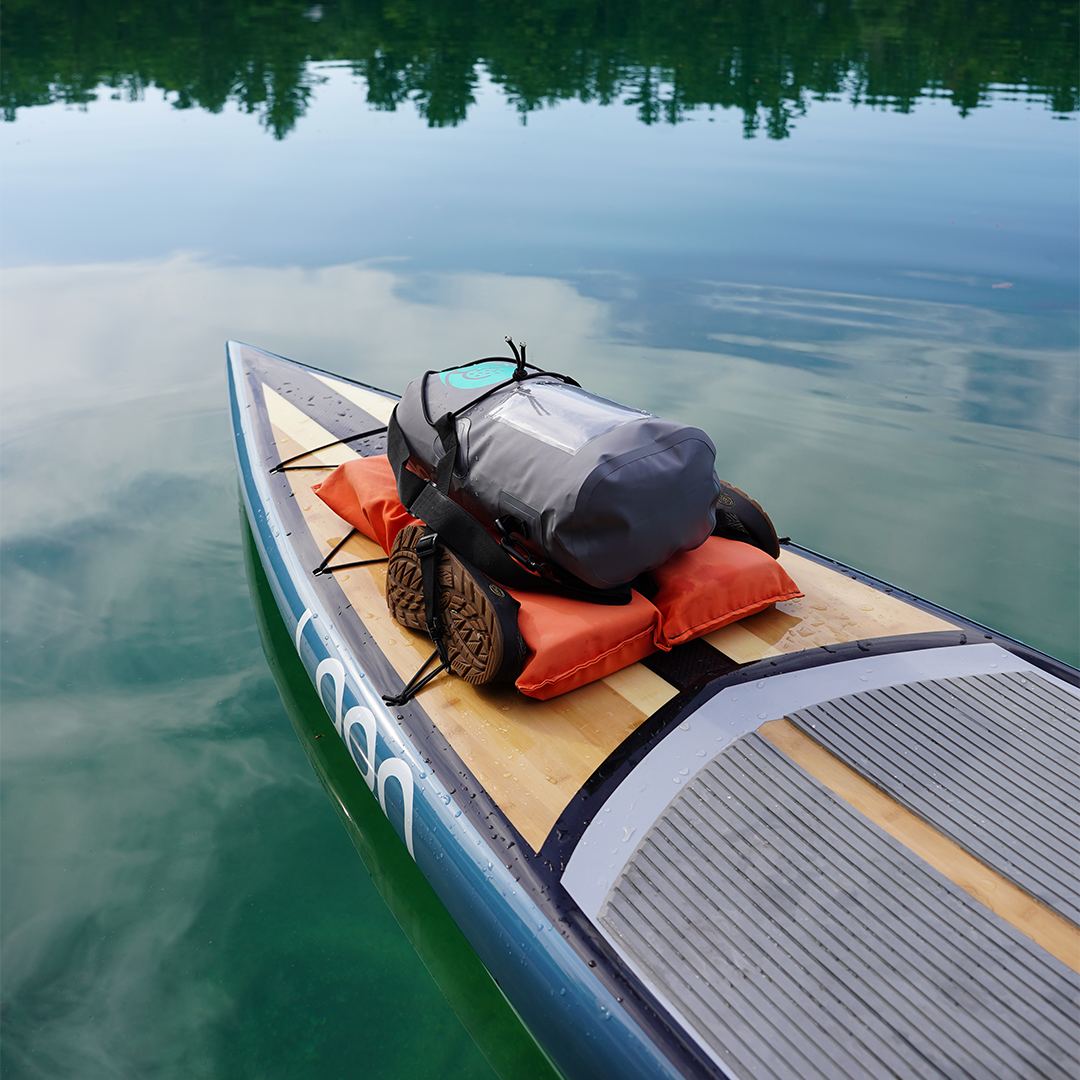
505	560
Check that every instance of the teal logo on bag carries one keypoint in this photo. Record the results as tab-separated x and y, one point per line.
477	375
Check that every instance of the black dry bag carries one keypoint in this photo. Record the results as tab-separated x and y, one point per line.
603	491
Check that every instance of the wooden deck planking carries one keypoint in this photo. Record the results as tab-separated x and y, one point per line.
379	405
836	608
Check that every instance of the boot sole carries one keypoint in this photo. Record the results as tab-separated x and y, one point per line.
475	642
738	523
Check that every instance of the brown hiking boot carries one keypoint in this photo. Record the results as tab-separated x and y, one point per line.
478	618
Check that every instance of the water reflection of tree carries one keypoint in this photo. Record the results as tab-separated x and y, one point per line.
768	58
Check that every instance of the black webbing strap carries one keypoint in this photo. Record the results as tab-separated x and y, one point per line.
427	551
431	503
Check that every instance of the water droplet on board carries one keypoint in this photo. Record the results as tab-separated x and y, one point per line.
699	753
762	715
683	772
684	726
760	683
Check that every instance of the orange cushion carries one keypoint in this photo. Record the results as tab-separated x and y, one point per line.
364	493
572	643
716	584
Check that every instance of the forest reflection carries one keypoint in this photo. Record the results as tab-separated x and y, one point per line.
767	58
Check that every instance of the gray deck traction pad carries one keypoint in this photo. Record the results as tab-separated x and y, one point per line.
991	761
801	941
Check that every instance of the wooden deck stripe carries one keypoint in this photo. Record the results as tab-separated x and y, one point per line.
1045	927
378	405
834	608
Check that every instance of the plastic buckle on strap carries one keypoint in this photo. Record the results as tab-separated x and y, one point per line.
434	629
425	546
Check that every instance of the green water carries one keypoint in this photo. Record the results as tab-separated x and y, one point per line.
842	238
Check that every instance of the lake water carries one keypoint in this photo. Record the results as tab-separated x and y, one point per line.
841	240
